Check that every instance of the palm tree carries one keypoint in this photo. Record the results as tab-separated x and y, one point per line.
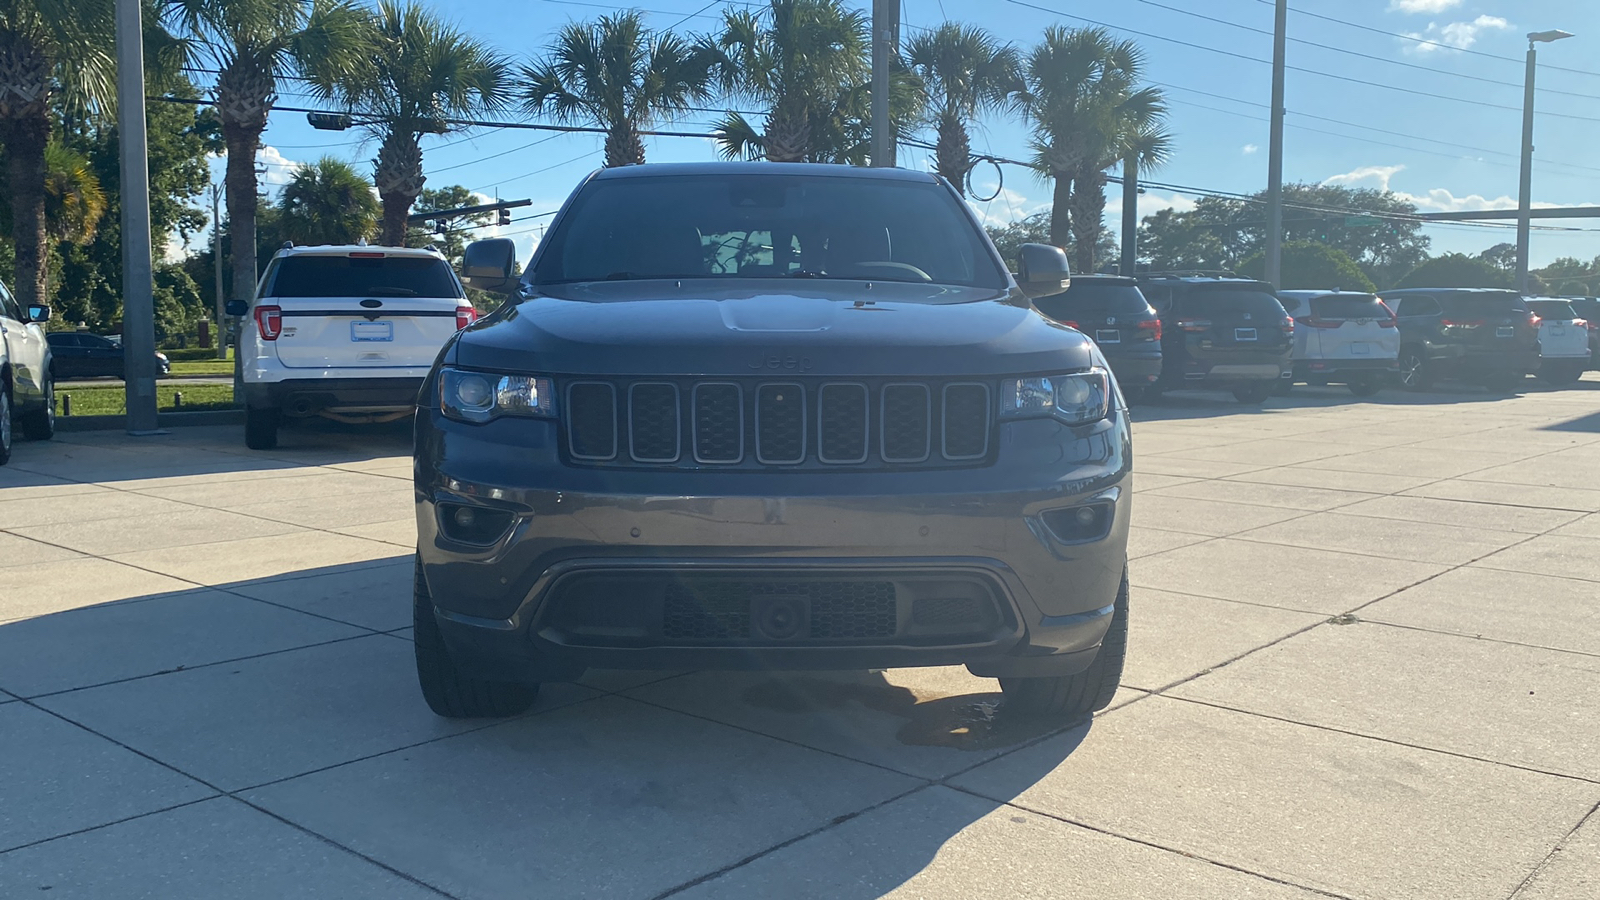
964	69
420	74
1081	91
255	44
803	60
51	53
619	75
75	201
328	202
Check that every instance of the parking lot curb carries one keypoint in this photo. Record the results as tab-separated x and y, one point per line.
164	420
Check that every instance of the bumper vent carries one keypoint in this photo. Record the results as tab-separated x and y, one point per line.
750	424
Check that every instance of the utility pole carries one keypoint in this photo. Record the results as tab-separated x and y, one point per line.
1130	216
1280	41
216	259
885	42
138	302
1525	192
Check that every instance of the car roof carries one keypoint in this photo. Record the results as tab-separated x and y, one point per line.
1424	290
813	170
1312	295
348	249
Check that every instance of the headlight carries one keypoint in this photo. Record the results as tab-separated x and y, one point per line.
481	396
1074	399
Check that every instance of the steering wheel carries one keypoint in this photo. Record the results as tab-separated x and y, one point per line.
915	272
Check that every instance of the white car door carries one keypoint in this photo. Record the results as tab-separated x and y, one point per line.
26	348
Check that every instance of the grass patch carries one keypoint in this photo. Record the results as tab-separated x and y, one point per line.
211	366
194	354
110	401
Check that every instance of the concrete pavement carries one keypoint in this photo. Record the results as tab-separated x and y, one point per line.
1364	663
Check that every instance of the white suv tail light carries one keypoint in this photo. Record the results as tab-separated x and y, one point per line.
269	322
465	315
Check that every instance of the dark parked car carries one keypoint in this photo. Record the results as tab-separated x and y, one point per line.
79	354
769	416
1221	332
1113	312
1589	309
1486	335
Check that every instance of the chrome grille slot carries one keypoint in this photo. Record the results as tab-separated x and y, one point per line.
966	421
718	423
780	424
842	423
592	420
906	423
653	431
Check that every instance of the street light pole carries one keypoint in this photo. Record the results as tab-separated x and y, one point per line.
1525	192
1274	268
216	260
138	302
885	41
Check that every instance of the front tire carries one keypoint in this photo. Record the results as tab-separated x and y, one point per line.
450	692
261	427
40	425
1089	691
1256	393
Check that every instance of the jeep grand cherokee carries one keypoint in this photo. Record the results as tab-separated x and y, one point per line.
769	416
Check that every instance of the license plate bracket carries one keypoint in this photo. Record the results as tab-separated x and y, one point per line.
1244	334
1505	331
1107	336
363	332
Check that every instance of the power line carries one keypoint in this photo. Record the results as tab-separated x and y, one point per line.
1317	72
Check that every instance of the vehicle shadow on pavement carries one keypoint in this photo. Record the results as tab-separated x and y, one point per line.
295	694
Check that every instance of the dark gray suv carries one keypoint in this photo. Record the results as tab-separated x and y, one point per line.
775	417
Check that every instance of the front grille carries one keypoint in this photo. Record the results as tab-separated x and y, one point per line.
842	610
746	423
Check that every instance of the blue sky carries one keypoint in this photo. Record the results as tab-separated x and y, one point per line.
1455	150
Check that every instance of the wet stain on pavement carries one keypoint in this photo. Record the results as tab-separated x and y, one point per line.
970	722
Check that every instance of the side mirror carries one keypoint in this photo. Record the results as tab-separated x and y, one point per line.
236	308
490	265
39	314
1043	270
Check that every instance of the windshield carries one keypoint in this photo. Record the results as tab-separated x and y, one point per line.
766	226
344	276
1553	309
1118	299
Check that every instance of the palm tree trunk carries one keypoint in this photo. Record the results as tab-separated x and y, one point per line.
240	178
1061	210
623	146
1088	218
953	150
399	179
24	139
788	133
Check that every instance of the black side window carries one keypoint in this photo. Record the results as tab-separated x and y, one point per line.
1160	298
8	305
1419	306
64	340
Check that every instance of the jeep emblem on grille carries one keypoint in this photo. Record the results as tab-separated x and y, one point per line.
781	361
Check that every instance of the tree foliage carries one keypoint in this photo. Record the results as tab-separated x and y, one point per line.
1311	266
964	70
1456	270
328	202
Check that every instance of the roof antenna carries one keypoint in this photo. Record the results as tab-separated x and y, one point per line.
361	241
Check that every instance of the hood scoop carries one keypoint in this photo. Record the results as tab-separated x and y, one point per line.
779	313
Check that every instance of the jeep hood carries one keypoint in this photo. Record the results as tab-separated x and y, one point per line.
767	329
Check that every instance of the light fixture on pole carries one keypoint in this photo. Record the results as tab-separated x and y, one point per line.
1525	194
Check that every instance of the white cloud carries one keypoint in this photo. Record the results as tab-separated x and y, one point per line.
279	169
1249	149
1460	35
1150	204
1422	6
1378	175
1007	207
1435	200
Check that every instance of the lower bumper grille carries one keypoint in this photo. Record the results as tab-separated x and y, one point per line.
649	609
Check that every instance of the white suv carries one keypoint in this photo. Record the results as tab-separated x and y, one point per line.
27	388
347	333
1563	341
1346	338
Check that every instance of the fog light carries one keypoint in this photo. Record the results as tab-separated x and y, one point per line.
1080	525
473	524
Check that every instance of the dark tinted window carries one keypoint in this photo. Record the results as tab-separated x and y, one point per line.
1229	300
1116	299
1294	306
1417	306
1553	309
766	226
1484	305
1351	306
1159	297
342	276
60	339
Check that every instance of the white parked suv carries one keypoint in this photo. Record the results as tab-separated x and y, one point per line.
27	389
1563	341
1343	337
345	332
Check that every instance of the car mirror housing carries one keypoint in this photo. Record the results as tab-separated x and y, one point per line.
237	308
1043	270
490	265
38	313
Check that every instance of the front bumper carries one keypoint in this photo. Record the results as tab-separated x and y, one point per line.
552	594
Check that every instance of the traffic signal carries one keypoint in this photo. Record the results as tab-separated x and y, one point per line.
505	217
323	121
